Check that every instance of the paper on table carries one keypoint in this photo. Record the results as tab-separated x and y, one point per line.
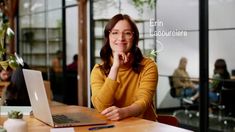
62	129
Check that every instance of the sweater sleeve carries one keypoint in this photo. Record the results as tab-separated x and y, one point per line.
103	89
147	87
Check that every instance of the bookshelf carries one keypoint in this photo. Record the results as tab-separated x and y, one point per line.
39	46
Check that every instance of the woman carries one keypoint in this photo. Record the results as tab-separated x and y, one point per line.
124	84
5	75
220	73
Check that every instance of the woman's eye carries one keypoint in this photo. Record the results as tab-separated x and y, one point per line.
114	33
128	33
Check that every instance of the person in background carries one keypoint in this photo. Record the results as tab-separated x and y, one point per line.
74	65
5	75
124	83
57	62
220	73
181	80
16	94
215	84
56	76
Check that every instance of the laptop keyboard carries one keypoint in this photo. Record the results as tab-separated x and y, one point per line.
61	119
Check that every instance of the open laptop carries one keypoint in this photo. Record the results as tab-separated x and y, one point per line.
41	109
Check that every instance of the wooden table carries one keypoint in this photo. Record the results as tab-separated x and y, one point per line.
132	124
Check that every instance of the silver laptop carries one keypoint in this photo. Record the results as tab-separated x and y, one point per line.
40	106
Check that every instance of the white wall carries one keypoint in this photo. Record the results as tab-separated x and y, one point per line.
71	33
183	15
109	8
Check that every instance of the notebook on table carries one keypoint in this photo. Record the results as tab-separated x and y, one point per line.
41	108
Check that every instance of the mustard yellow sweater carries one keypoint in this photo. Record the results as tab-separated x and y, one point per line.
129	88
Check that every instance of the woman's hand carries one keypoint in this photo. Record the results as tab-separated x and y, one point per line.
114	113
120	58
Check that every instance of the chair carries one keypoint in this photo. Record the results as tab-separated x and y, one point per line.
182	104
168	119
49	94
71	92
225	106
227	93
47	85
172	89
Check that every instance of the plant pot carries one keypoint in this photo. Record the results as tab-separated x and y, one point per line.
15	125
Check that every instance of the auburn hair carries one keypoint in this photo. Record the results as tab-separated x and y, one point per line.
106	51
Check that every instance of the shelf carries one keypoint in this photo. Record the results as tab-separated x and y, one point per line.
30	54
41	41
34	43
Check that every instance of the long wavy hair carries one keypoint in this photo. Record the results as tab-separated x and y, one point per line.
221	68
106	51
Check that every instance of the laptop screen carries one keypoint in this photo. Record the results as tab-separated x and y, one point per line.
37	95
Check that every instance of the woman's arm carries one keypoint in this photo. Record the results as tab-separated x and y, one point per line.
147	86
103	89
116	113
106	86
143	96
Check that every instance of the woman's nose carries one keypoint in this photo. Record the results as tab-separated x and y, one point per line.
121	36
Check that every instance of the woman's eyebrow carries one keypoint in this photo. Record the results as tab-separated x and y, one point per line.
122	30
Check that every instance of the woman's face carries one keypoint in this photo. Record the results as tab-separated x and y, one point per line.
5	75
121	37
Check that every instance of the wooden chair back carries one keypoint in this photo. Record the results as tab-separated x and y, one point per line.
47	85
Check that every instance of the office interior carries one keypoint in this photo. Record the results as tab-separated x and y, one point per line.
170	27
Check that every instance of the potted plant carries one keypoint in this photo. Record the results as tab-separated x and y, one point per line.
6	59
15	122
7	13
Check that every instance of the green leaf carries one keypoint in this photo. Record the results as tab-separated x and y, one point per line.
4	64
15	115
12	62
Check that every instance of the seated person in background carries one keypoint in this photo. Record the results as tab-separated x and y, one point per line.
220	73
124	84
5	75
181	80
74	65
16	94
215	84
57	62
56	74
